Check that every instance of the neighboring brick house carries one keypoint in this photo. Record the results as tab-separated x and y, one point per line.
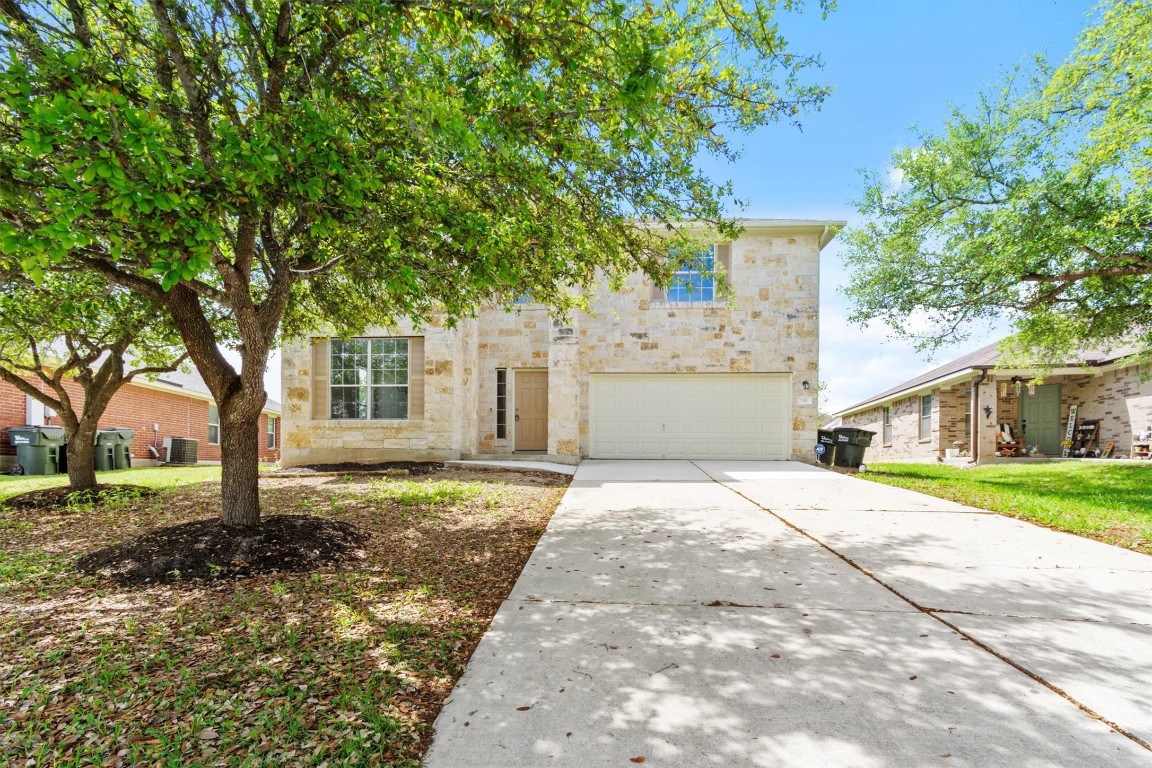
924	417
649	374
177	403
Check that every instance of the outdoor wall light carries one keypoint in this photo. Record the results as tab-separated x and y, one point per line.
805	384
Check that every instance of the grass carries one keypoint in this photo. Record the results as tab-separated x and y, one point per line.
1103	500
152	477
346	665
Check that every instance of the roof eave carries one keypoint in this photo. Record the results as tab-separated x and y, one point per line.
951	378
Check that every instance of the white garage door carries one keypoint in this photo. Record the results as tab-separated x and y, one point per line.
690	416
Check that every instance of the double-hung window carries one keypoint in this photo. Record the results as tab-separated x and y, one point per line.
695	279
369	379
888	425
271	432
213	425
926	417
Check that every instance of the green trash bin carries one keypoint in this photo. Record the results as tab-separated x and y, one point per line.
850	445
39	450
104	452
113	449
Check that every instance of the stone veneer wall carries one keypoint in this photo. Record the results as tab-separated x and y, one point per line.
446	430
515	339
772	327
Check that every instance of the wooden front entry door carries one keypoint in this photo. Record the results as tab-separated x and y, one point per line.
1040	422
531	410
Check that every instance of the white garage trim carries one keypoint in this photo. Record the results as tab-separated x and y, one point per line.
690	416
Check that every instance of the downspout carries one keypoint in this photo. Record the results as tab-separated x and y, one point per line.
974	426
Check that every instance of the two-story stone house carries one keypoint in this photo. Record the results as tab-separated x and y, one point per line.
649	373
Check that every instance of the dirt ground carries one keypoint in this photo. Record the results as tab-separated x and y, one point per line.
342	659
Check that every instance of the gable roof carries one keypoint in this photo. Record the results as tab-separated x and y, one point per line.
190	384
982	360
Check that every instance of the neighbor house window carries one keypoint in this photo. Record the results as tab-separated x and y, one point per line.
968	414
926	417
501	403
271	431
695	280
213	425
369	379
888	425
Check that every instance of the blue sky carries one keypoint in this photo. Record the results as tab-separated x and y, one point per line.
894	64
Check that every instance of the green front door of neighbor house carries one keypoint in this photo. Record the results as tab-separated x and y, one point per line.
1040	418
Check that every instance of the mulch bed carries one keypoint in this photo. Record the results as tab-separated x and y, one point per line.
206	550
63	497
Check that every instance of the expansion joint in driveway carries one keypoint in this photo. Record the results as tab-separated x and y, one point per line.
936	615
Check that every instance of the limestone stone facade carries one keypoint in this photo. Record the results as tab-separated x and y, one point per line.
767	324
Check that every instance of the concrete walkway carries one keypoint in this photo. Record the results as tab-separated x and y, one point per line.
774	614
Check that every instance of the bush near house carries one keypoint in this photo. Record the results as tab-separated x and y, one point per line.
1104	500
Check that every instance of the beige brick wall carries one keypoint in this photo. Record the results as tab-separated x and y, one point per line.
906	442
1119	398
769	326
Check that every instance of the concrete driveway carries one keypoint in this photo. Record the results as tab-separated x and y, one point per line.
775	614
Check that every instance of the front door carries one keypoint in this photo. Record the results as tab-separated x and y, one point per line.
1040	418
531	410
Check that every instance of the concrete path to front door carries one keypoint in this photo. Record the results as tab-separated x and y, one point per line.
775	614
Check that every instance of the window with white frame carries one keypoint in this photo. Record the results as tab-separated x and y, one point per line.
888	425
968	414
695	280
369	379
926	417
213	425
271	432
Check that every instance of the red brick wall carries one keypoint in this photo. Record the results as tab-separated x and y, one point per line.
138	408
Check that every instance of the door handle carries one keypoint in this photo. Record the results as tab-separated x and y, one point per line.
517	417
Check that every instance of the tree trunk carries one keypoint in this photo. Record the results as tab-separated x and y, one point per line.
240	458
80	451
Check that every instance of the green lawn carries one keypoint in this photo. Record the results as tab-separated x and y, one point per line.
1107	501
153	477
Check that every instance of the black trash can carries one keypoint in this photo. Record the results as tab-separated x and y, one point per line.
850	445
825	440
39	450
113	448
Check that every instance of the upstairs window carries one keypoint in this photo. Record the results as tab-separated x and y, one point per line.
695	280
369	379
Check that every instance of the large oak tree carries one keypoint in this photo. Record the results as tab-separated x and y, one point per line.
1036	206
360	161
